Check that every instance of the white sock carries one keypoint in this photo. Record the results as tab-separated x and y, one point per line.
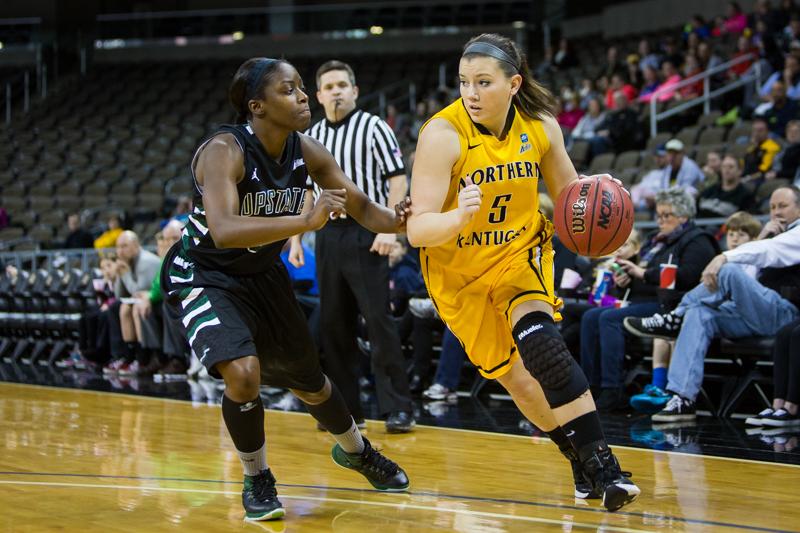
254	462
351	440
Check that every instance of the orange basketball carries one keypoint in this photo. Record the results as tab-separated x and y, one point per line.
593	216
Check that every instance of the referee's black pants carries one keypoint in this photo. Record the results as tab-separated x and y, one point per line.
353	279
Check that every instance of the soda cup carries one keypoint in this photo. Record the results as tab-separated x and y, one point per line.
669	273
619	304
602	283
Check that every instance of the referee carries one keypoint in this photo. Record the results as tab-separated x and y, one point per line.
352	262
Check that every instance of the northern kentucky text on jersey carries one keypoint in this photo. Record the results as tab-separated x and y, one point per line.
272	202
502	172
496	237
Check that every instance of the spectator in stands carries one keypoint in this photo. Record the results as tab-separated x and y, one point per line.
619	83
790	75
419	118
697	26
712	167
785	378
587	92
670	52
741	228
791	32
136	268
744	47
643	193
77	236
154	329
587	126
649	84
448	371
565	58
108	239
613	64
787	10
633	74
546	66
571	112
665	90
787	162
647	59
779	110
691	67
677	240
735	20
619	131
728	195
760	153
731	304
405	277
681	170
763	13
94	339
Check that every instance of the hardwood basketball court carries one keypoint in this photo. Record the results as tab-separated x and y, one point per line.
87	461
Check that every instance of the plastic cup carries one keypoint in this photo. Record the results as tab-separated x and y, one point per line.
570	279
669	273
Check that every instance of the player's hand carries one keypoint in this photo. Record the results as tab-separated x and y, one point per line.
330	202
469	201
383	243
709	276
401	212
297	257
605	177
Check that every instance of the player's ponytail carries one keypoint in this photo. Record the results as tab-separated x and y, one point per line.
532	99
249	83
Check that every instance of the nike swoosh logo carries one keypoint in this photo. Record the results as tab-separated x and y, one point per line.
470	146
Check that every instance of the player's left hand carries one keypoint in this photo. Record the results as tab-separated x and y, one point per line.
604	176
383	243
401	211
709	276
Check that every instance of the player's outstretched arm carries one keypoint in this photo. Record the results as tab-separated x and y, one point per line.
220	167
438	149
324	170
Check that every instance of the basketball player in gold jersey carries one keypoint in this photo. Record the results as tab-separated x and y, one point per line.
487	256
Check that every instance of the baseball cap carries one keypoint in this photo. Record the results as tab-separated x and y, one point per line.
674	145
660	150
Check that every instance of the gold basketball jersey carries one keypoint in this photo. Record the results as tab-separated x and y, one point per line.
508	173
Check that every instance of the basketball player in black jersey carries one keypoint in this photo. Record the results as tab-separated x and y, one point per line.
229	289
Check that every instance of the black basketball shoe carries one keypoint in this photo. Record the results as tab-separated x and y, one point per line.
382	473
260	499
583	487
602	468
662	326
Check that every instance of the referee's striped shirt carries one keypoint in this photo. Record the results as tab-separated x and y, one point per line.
366	149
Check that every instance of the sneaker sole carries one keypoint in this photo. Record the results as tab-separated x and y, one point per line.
582	495
617	496
672	418
754	421
780	423
377	487
633	331
650	408
275	514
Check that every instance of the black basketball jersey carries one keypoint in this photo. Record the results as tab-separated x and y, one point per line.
269	189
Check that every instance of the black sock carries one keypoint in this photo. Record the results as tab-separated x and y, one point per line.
245	423
333	413
586	435
560	439
132	349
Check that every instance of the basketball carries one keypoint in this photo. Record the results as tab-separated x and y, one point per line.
593	216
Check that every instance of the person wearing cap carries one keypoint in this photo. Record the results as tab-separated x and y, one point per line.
644	191
681	170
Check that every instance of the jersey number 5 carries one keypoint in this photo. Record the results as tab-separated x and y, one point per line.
497	214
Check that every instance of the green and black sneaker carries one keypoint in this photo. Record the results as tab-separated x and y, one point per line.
260	499
384	474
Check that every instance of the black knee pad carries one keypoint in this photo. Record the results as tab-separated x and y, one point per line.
545	355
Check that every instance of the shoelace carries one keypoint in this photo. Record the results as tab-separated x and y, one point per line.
673	403
655	321
264	487
378	463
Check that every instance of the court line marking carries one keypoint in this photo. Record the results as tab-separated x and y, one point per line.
404	505
556	506
478	431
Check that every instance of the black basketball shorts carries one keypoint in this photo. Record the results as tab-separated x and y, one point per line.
227	317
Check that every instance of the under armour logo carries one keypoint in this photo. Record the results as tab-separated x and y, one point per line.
254	177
